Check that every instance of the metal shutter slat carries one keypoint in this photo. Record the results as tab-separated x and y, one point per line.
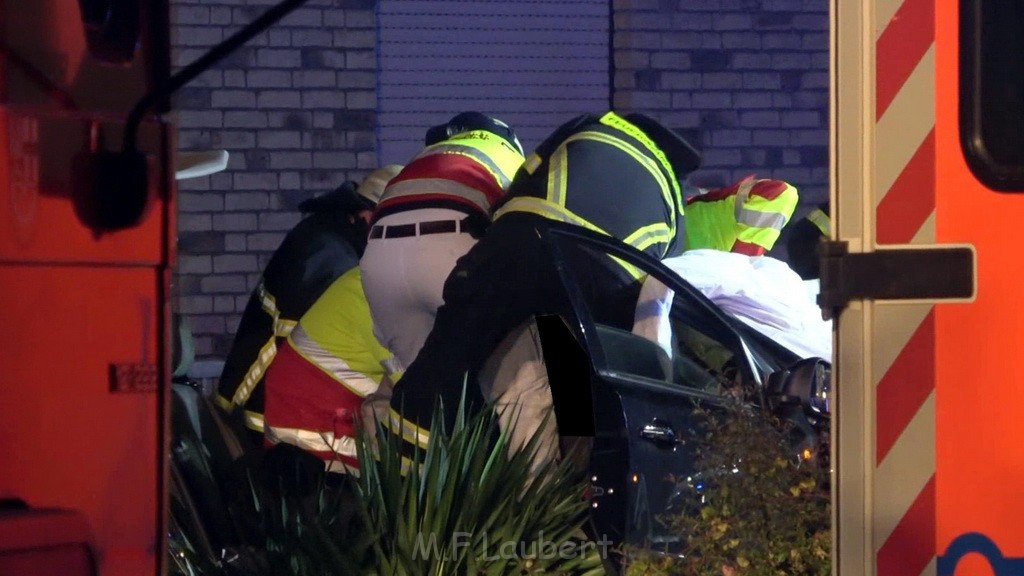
532	63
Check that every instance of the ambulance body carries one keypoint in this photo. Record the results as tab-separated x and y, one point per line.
929	447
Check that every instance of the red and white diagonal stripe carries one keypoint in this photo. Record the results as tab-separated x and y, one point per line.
904	367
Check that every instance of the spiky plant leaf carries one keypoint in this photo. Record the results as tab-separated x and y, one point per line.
473	506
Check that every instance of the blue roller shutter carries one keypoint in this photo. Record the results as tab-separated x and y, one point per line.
532	63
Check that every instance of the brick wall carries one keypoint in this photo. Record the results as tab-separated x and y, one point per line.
747	80
295	108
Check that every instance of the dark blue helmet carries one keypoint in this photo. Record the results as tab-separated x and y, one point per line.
469	121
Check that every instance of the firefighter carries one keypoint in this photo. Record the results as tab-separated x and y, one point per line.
431	214
323	370
319	249
617	175
745	218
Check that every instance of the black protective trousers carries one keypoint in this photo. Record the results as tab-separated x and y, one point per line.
505	279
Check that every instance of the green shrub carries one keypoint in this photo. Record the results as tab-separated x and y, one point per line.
763	511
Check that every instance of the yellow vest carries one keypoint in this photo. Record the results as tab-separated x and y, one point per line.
720	218
336	334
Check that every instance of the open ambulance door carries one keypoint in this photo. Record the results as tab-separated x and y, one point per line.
928	165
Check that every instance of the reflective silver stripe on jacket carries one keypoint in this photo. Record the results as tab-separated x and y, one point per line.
503	179
424	186
357	382
314	441
756	219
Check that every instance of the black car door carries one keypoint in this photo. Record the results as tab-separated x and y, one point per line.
645	396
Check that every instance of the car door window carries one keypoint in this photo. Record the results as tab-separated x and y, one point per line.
695	346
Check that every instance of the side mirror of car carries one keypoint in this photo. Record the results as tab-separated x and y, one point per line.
807	383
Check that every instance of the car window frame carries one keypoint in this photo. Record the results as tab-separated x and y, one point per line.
559	234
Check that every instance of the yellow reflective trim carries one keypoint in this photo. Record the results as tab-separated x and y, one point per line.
500	178
336	336
557	176
542	207
759	219
545	208
504	156
408	431
634	272
821	221
267	300
532	163
223	403
255	372
643	160
283	327
651	234
637	155
254	421
743	216
619	123
784	204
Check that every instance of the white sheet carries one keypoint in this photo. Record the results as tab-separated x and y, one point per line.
761	291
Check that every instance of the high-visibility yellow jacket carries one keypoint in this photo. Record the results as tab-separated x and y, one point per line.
330	362
468	172
746	217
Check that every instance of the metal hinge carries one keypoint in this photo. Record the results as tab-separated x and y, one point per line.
905	273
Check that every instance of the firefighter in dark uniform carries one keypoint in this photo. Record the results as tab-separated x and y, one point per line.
617	175
325	244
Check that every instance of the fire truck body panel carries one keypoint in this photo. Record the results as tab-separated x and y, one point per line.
85	358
